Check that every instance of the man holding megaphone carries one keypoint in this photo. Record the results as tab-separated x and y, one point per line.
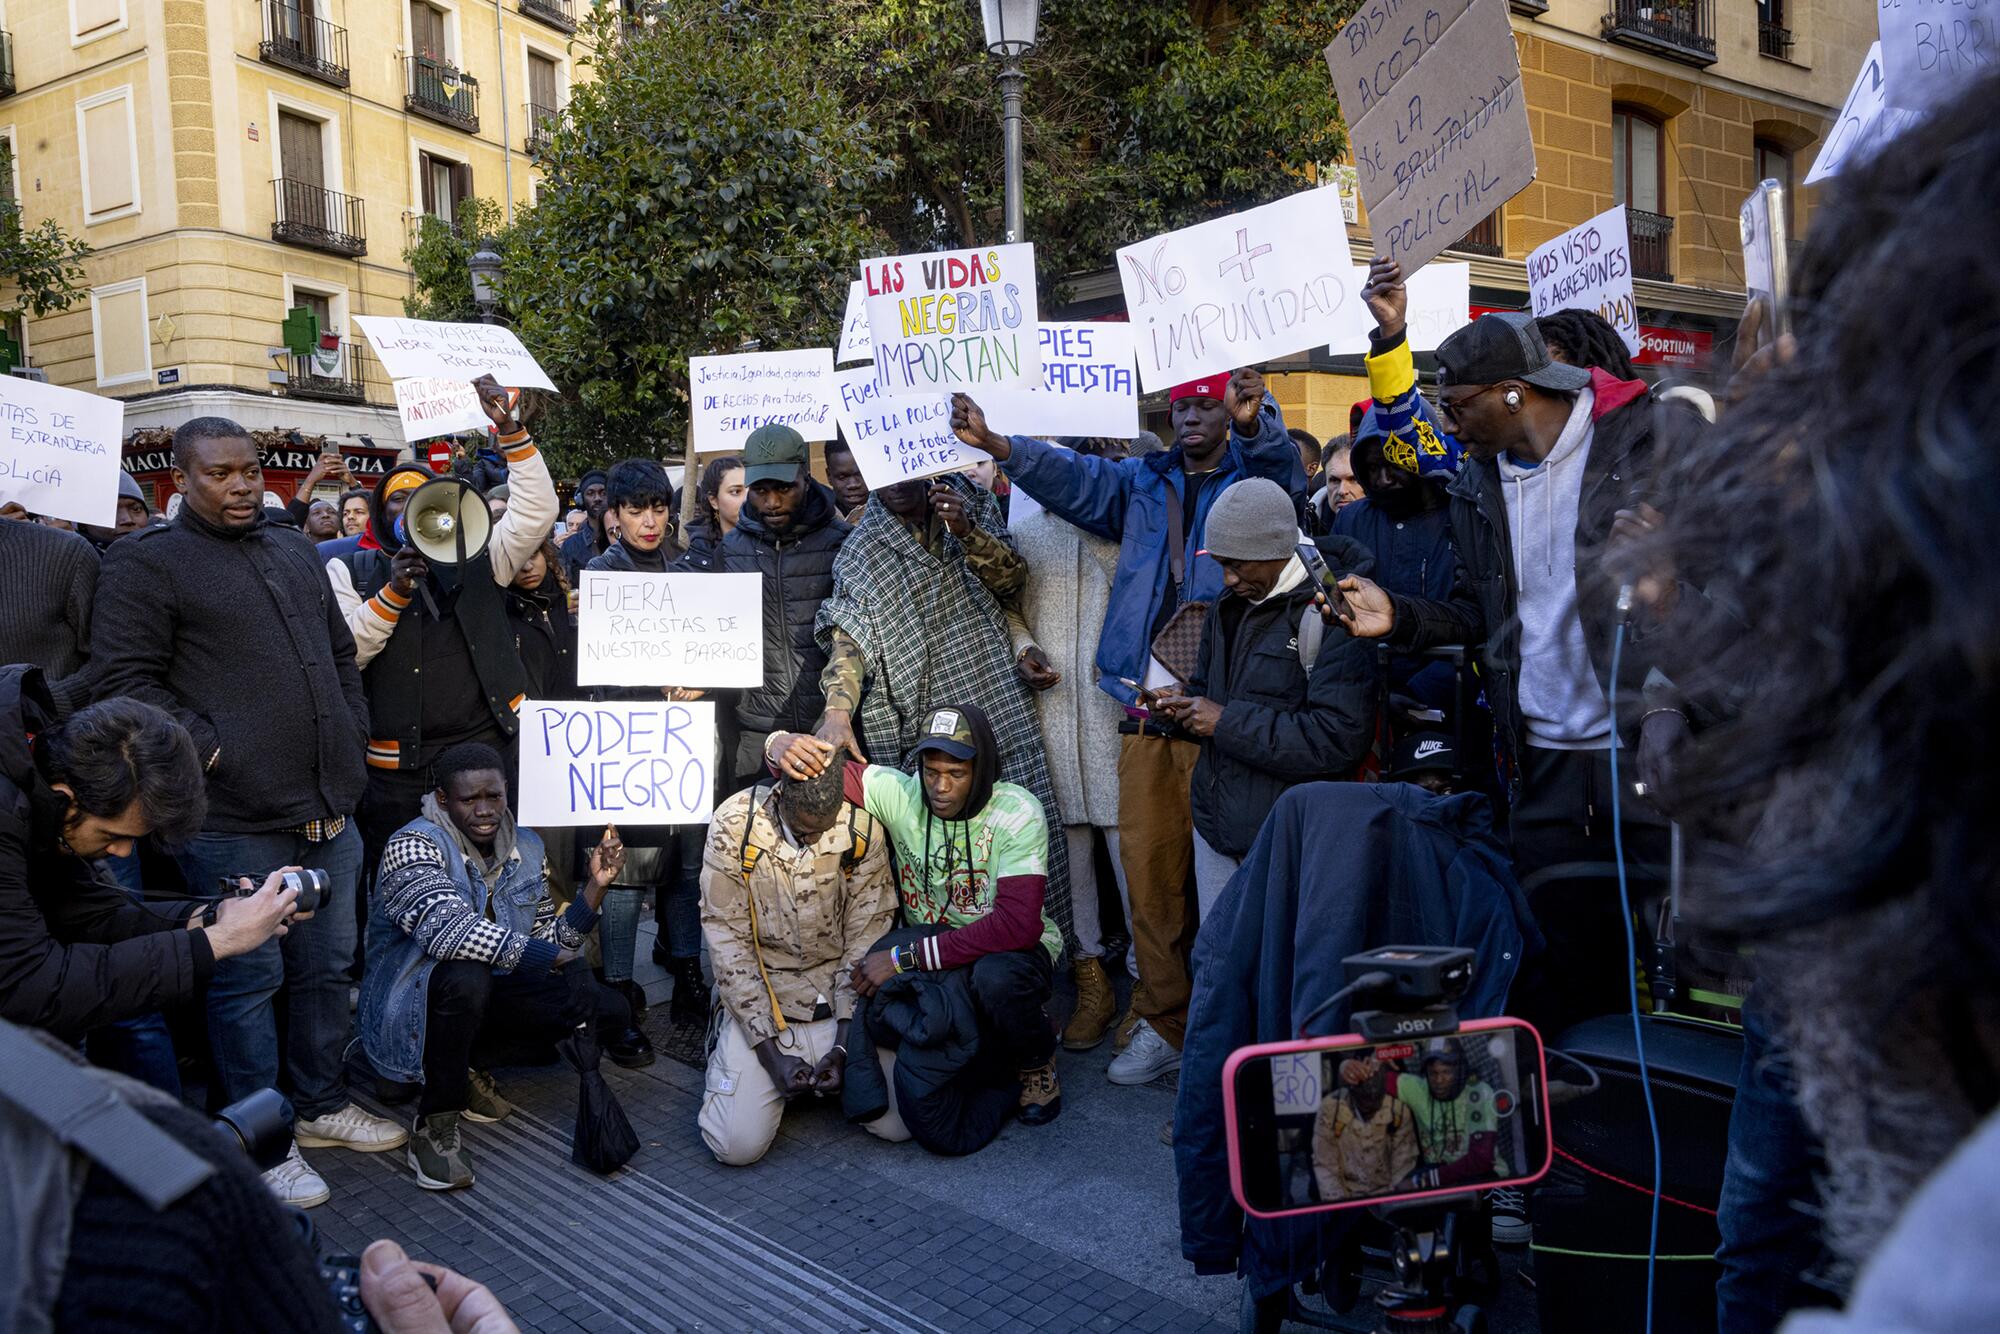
426	602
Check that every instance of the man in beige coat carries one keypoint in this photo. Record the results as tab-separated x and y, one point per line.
795	886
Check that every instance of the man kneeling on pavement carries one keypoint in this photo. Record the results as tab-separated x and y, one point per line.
972	866
466	952
795	886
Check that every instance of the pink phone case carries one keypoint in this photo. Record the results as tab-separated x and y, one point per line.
1236	1058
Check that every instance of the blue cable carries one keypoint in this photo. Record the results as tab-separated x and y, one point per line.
1631	957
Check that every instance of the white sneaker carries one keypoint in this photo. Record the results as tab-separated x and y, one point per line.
1147	1058
350	1128
295	1183
1509	1206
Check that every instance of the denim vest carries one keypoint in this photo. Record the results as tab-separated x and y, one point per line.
395	989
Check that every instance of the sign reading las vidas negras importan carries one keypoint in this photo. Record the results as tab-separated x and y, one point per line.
957	319
1436	119
1232	291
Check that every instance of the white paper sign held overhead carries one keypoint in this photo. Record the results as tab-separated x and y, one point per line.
734	395
1588	267
855	344
412	349
1933	50
957	319
638	629
60	451
898	439
1865	123
1440	297
1088	386
623	762
432	407
1238	290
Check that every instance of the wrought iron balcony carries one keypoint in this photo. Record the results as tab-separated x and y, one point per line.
1682	30
300	41
1774	40
331	372
1652	244
555	13
317	218
542	123
6	64
441	92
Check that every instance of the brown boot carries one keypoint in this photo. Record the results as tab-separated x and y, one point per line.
1096	1006
1041	1095
1121	1032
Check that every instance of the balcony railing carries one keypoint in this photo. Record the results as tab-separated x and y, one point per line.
1774	40
313	216
299	41
1652	244
435	89
1682	30
1483	239
1530	8
555	13
542	122
332	371
6	64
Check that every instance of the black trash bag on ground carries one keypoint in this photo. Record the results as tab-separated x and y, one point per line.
604	1140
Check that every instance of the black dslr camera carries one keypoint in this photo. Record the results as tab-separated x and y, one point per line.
311	883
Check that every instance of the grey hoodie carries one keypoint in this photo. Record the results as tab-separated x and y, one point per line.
1562	702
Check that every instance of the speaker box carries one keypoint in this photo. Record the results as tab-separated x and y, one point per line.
1590	1223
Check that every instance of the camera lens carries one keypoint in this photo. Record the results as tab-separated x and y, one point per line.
312	884
261	1124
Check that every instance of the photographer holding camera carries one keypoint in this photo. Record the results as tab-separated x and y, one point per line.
76	952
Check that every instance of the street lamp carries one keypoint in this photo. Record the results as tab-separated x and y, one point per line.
1010	34
485	266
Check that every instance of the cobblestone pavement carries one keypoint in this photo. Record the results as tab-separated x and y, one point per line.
1072	1226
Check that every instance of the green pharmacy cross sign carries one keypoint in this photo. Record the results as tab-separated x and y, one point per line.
301	330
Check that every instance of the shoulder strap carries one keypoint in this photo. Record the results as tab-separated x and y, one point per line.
749	854
1176	535
860	836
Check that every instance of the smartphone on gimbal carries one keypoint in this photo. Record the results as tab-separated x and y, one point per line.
1340	1122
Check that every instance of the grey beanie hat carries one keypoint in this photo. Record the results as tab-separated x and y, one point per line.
1252	520
128	487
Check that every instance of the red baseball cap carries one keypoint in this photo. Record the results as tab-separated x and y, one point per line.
1208	386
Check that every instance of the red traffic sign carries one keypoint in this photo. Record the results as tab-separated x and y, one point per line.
439	457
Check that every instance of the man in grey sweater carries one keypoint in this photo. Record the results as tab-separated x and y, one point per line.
45	606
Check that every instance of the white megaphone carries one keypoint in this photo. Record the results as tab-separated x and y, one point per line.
446	520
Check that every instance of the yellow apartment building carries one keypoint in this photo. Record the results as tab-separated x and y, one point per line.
1672	109
233	163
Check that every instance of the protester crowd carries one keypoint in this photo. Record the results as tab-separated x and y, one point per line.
1218	689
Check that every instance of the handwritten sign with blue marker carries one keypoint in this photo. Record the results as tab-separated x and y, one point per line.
1436	117
1089	387
1295	1079
60	450
634	628
645	762
1933	50
897	439
734	395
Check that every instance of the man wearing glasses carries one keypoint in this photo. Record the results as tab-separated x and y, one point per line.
1554	459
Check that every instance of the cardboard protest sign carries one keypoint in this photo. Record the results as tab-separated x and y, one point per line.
623	762
637	629
1866	122
60	451
431	407
1440	299
734	395
1436	119
896	439
855	344
414	349
1088	386
1588	267
1932	50
1237	290
957	319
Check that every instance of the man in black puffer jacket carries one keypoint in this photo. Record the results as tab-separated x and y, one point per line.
790	533
1279	697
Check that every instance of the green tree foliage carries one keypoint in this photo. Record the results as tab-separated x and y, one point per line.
701	191
440	258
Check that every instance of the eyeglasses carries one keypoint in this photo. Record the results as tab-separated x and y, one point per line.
1448	407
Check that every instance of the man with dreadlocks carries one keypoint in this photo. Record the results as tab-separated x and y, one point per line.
972	856
917	618
1585	338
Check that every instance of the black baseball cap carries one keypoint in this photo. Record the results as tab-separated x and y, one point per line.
773	453
948	732
1423	752
1505	345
